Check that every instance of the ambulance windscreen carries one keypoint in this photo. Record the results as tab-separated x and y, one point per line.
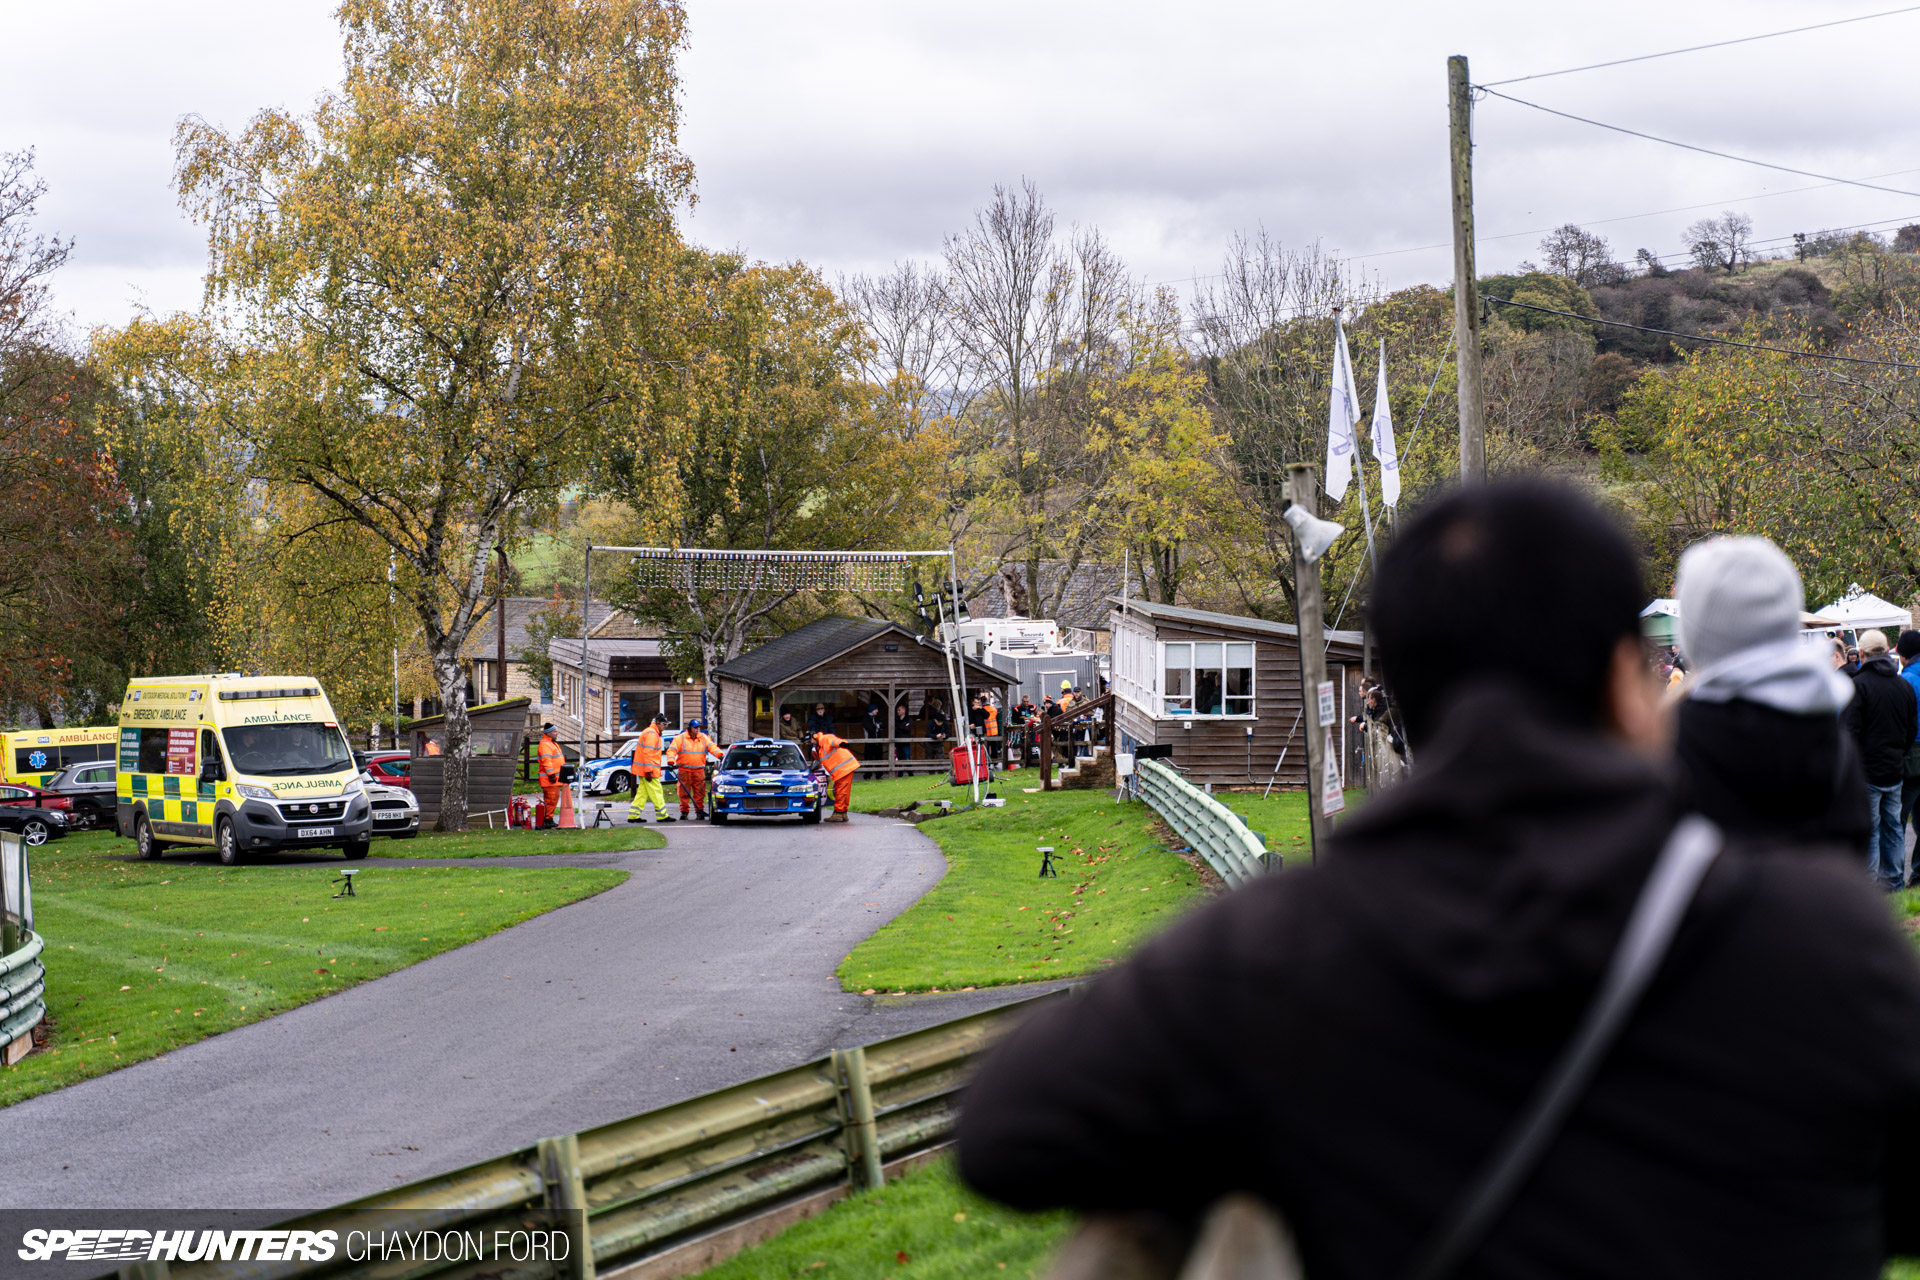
282	750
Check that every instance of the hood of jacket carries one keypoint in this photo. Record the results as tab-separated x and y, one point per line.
1507	863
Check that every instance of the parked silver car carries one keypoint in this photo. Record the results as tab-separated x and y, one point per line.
90	786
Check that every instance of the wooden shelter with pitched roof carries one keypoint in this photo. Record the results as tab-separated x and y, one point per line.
860	672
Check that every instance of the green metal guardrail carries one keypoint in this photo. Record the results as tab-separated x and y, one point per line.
1215	831
23	985
631	1190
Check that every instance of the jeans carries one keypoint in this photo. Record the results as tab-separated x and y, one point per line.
1887	846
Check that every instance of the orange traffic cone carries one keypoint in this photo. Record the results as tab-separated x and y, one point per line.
566	808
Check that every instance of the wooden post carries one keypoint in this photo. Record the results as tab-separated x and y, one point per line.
1466	292
567	1202
1046	752
1311	610
500	627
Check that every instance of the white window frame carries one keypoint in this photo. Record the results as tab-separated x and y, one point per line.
1252	667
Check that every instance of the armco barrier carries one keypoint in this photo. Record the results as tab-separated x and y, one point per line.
1213	830
23	985
653	1182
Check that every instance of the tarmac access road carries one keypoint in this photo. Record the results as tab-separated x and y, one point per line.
712	964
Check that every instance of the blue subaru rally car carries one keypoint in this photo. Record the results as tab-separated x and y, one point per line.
767	778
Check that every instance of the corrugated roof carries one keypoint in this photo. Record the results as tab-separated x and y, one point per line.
799	651
1205	618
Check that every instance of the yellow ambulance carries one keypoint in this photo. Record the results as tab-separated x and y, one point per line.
238	764
33	756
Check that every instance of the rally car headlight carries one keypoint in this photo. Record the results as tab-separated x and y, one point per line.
252	792
726	790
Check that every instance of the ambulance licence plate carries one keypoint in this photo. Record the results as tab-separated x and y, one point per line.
306	832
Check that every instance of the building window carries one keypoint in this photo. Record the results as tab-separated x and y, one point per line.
1206	678
637	707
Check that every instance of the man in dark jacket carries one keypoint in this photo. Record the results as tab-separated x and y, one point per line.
1882	717
1351	1041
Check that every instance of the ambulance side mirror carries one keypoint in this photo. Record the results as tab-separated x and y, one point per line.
211	770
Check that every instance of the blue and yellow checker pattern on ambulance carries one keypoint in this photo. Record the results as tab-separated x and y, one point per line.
239	764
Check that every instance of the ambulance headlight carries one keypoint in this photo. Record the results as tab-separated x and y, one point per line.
252	792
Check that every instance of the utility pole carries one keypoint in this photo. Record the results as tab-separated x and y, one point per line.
1466	292
1311	610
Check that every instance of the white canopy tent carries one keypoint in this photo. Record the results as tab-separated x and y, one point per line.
1859	610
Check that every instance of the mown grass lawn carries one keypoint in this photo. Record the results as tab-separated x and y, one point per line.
991	920
144	957
925	1226
870	795
518	843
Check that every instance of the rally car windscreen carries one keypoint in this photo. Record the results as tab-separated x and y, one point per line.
282	750
783	755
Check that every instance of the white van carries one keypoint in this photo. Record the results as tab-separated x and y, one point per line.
238	764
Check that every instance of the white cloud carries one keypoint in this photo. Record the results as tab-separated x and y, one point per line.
850	133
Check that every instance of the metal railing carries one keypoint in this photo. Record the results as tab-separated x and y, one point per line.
1215	831
23	986
636	1188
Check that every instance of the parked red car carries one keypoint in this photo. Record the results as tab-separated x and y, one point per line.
19	793
389	768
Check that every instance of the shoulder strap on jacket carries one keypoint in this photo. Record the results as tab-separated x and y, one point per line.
1656	917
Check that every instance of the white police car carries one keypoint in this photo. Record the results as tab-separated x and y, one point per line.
767	778
613	775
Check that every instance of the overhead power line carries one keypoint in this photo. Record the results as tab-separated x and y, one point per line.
1717	44
1696	337
1705	151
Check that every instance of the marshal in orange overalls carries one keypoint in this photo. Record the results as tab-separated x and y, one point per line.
551	760
839	762
690	751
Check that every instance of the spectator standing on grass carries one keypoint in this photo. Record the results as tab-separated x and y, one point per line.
1907	650
1884	719
1851	667
902	729
1350	1041
876	729
1760	747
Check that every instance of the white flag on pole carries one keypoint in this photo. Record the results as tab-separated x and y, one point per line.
1384	448
1343	415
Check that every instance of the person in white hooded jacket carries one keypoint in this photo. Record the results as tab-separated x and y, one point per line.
1759	743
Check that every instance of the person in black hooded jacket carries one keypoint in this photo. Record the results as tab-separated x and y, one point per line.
1350	1041
1882	717
1759	744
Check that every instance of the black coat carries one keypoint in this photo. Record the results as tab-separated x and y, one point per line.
1351	1040
1771	775
1883	718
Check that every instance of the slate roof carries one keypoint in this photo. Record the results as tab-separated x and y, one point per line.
782	660
1083	604
600	653
483	639
1228	621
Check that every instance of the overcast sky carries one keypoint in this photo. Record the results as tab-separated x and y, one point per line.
853	133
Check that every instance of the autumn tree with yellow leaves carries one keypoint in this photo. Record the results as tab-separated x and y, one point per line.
428	298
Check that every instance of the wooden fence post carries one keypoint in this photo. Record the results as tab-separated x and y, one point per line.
567	1202
1046	752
